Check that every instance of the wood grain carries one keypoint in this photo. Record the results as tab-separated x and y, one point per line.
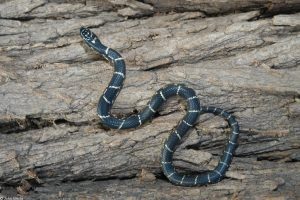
243	57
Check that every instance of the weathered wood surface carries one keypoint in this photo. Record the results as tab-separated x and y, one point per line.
50	83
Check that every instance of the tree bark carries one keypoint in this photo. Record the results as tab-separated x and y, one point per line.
243	57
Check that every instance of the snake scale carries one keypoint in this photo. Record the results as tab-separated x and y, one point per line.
193	111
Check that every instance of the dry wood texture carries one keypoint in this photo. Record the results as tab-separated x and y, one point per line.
242	56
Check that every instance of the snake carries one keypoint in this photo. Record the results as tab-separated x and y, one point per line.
194	109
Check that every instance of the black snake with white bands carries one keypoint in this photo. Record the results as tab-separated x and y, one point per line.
193	111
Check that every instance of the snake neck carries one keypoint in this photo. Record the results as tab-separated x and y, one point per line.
116	83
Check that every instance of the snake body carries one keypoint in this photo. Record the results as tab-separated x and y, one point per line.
193	111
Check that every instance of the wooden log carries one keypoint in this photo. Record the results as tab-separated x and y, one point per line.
50	83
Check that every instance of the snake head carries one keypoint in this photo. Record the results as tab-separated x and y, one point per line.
89	37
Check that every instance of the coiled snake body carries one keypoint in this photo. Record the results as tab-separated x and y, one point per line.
193	111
